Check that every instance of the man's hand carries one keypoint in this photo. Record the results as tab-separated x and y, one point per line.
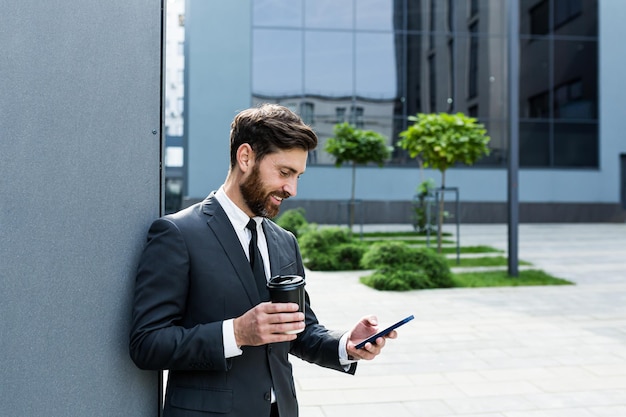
267	323
361	331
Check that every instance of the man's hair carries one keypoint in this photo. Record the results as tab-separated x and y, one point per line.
269	128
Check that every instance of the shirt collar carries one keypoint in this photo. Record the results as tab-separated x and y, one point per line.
238	218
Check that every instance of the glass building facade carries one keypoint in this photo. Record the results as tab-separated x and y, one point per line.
373	63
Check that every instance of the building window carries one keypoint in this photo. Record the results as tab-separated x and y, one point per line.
356	116
539	106
540	18
569	102
473	8
566	10
432	87
307	112
473	61
340	114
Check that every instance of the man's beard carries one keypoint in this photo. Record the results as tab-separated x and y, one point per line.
258	200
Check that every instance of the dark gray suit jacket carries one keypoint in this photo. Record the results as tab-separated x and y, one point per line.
193	274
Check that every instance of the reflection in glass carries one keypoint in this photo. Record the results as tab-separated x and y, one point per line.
375	62
534	144
328	58
375	66
575	91
535	77
576	145
277	63
283	13
374	15
328	14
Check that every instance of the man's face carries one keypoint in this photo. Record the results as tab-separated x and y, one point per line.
272	180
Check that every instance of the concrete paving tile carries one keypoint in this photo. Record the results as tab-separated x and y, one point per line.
387	409
478	415
311	411
586	399
524	374
491	389
586	384
609	411
428	408
419	380
607	370
347	383
376	394
464	377
504	352
490	404
563	412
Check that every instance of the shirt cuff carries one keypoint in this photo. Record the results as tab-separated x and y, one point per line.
343	352
230	344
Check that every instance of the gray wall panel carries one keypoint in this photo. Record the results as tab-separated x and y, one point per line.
80	182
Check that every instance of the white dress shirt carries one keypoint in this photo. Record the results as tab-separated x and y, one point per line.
239	220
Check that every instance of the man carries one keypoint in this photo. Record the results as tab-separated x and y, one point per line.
197	309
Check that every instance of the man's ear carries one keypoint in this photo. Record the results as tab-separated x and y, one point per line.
245	157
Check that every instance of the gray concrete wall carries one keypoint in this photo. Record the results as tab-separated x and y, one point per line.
80	129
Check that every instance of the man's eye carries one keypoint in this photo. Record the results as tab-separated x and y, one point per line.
284	173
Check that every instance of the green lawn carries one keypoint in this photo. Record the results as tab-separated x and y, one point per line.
531	277
409	240
402	234
467	249
483	261
502	279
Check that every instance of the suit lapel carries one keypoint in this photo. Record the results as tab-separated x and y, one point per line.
272	248
222	228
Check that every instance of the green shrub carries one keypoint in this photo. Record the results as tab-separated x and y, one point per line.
293	220
435	267
399	267
381	255
344	257
321	240
330	249
349	255
399	280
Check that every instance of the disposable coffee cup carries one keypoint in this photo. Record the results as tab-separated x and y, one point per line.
287	289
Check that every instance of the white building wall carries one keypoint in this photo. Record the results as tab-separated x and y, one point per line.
174	66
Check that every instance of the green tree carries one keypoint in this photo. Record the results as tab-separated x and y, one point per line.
442	140
356	146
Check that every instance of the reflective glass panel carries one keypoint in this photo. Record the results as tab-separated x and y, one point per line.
329	14
575	79
277	62
576	145
376	67
283	13
534	84
375	15
534	144
328	58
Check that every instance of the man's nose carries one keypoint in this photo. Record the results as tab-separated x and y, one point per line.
291	187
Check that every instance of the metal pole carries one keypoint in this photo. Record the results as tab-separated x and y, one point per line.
513	90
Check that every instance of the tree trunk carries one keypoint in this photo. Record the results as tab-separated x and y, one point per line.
441	206
352	201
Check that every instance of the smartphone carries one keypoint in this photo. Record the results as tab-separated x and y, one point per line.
372	339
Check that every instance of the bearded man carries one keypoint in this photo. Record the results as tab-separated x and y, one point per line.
198	311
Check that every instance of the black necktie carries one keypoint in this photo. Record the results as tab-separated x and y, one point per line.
256	263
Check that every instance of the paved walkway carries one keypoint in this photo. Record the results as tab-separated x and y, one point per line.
500	352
